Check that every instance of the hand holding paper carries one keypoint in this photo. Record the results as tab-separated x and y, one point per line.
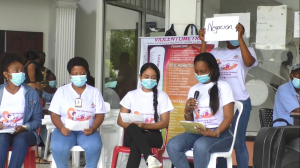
128	118
77	125
221	28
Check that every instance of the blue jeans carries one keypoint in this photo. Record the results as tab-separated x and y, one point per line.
19	143
202	147
61	146
242	156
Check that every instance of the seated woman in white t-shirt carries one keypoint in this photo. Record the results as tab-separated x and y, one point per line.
155	106
213	108
81	102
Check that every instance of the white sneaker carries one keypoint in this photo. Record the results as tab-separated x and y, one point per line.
153	162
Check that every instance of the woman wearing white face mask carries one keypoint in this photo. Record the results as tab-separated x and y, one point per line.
79	102
213	109
20	109
155	106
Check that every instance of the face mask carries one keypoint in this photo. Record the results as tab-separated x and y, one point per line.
149	83
296	83
234	43
202	78
53	83
17	78
78	80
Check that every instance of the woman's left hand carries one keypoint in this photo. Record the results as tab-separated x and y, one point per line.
89	131
207	132
19	129
141	125
240	30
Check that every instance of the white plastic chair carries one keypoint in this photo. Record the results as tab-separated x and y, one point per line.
228	155
77	149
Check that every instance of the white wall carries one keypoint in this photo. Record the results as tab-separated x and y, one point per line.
29	15
85	32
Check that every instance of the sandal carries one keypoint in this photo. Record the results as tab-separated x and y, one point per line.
41	161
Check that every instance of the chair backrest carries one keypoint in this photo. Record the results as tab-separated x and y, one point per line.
237	106
265	117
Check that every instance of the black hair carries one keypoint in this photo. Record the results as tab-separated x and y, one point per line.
8	58
155	102
42	54
77	61
49	73
31	55
211	61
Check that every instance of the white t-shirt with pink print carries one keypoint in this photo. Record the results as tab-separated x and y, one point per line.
140	102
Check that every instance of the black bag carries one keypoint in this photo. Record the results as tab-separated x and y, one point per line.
171	31
187	29
277	147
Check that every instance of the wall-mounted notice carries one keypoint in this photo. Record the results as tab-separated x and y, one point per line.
244	19
174	57
271	27
296	25
221	28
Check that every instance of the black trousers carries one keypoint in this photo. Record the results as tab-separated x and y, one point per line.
140	142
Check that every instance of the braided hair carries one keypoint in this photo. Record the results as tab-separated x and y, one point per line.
154	89
211	61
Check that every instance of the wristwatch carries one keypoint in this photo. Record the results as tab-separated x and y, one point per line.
25	126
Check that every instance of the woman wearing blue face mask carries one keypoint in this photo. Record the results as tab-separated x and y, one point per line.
77	101
213	108
234	62
20	110
155	106
50	88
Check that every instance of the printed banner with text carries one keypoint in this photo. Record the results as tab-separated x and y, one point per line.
174	57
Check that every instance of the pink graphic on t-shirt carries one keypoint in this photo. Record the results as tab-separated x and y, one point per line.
72	115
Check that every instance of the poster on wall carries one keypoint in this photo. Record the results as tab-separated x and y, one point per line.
296	25
174	57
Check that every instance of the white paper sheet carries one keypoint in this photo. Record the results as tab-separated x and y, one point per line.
271	27
244	19
128	117
221	28
8	130
77	125
296	25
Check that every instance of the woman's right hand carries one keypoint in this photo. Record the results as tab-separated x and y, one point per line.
190	103
65	131
1	126
202	35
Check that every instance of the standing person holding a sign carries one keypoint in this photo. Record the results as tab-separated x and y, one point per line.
213	109
234	62
77	110
155	106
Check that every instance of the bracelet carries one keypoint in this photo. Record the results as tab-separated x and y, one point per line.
187	114
218	134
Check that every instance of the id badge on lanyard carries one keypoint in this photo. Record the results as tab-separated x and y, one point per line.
78	102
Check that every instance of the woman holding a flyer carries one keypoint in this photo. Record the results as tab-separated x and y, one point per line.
155	106
20	111
213	109
234	62
77	110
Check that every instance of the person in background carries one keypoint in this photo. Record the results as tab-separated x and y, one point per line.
213	109
77	101
234	62
20	109
287	98
50	88
32	71
155	106
44	70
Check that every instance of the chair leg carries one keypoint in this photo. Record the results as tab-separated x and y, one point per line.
32	163
212	162
115	157
27	158
47	144
76	158
229	162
